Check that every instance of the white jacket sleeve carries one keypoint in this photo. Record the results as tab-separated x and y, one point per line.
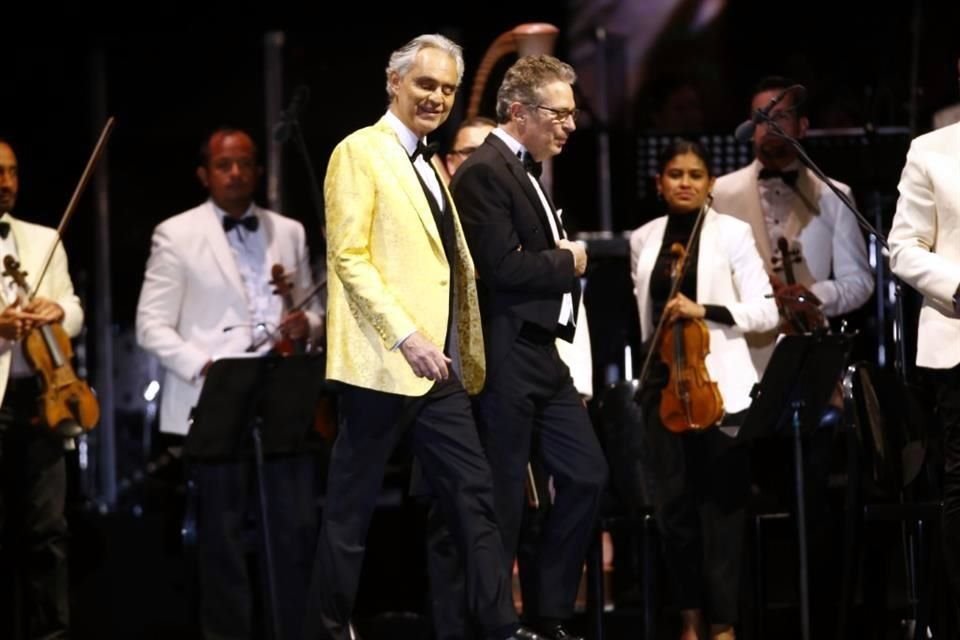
913	238
853	280
755	310
158	310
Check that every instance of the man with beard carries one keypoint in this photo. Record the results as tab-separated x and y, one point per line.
34	477
787	205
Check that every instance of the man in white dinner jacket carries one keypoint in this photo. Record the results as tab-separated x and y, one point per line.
207	293
925	252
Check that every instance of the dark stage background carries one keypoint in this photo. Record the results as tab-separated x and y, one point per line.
171	74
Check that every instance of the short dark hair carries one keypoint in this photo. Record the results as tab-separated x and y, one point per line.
779	83
203	158
681	146
477	121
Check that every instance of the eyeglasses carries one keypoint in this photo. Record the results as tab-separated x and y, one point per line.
559	116
463	151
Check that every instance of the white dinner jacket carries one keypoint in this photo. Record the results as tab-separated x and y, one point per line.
33	243
925	241
730	273
192	291
834	255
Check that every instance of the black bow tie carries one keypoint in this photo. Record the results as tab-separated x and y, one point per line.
425	150
532	167
250	222
4	229
789	177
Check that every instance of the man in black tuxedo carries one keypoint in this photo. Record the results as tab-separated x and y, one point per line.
529	292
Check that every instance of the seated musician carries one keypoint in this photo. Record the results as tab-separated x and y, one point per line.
207	293
701	474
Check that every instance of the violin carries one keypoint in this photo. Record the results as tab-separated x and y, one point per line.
325	413
67	404
800	308
690	400
283	287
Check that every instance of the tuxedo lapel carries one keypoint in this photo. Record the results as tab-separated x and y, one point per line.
406	176
212	230
515	167
753	214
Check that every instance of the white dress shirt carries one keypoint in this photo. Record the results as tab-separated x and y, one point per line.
249	250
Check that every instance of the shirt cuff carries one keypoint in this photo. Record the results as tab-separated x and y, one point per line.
402	340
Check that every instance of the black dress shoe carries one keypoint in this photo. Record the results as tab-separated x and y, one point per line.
525	634
556	632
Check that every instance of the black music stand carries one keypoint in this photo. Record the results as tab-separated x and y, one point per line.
789	400
256	406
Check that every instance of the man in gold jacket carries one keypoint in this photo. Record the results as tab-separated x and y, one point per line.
404	339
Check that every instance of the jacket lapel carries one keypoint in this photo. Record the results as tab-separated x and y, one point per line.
399	163
753	214
520	174
212	230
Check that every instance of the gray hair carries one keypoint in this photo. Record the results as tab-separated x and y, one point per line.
526	77
403	58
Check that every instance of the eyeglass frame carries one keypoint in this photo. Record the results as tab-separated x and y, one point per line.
557	113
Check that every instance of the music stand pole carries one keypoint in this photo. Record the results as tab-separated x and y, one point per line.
795	388
266	542
240	396
801	523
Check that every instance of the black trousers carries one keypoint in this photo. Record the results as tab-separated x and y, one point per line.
530	403
34	487
702	481
447	446
225	501
947	384
445	569
531	397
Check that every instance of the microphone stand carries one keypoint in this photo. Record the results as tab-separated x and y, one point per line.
900	360
289	126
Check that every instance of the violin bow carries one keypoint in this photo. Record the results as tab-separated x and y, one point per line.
75	199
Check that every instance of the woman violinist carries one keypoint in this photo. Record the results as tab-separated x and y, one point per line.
701	475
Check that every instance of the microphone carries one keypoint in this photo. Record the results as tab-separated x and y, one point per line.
744	132
290	117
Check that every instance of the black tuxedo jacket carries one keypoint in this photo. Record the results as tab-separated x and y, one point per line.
522	274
